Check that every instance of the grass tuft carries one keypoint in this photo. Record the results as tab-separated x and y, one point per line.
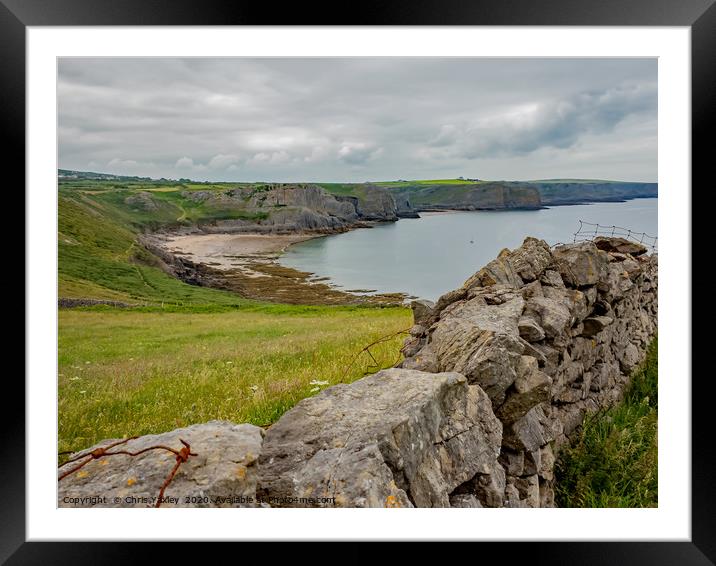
613	462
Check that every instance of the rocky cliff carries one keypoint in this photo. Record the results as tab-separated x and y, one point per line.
481	196
497	376
278	208
518	194
569	192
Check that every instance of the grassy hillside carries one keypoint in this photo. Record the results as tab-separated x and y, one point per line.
98	257
189	354
613	462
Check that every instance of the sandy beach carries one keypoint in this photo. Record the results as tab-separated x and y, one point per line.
246	264
229	251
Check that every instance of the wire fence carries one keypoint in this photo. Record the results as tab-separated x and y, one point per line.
588	231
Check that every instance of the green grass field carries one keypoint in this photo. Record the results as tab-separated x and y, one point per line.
613	462
124	373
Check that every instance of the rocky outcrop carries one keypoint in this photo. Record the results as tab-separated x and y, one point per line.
404	208
376	203
221	470
497	377
287	208
142	200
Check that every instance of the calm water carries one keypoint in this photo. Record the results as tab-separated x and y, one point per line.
428	256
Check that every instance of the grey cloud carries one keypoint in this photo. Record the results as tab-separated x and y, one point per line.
358	153
358	119
557	124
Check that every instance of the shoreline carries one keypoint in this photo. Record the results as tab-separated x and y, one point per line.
225	251
248	262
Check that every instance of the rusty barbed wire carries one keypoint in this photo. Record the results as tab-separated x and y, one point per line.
93	455
367	348
181	455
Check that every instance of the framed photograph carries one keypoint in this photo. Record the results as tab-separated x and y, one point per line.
292	277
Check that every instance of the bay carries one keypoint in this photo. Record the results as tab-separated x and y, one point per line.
428	256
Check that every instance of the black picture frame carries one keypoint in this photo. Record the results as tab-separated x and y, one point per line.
699	15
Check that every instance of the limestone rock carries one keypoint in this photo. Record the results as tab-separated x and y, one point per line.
630	358
490	487
531	259
547	461
619	245
552	278
422	310
222	474
595	324
499	271
533	463
512	496
553	315
465	500
396	438
532	289
528	490
480	341
529	329
525	434
580	264
531	387
512	461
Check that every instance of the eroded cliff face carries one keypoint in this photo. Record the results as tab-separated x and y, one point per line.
482	196
564	192
282	208
497	376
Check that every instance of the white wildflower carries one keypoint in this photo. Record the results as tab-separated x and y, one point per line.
316	382
315	389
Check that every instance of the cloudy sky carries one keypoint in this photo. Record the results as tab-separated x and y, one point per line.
359	119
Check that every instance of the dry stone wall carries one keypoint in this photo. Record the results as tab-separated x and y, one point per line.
497	376
550	335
